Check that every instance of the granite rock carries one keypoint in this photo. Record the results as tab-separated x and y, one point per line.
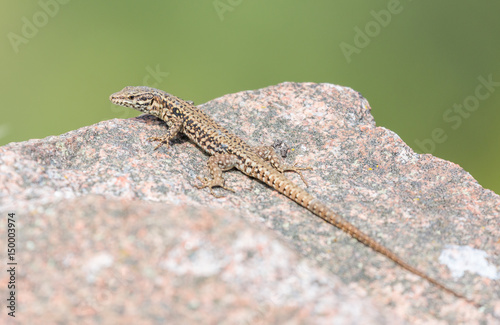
111	231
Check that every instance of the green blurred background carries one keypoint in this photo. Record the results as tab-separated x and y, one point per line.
414	61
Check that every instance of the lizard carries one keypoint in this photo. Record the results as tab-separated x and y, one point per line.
229	151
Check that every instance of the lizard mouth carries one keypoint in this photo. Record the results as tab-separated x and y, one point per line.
116	99
136	100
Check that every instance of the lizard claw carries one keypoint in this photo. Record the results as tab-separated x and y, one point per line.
211	183
297	170
163	141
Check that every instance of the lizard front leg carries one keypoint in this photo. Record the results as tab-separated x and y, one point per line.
174	129
269	154
216	165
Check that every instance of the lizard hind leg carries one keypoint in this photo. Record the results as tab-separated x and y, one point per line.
269	154
216	165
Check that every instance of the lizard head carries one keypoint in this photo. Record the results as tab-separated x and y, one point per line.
141	98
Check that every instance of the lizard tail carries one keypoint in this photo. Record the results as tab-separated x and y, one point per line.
302	197
325	213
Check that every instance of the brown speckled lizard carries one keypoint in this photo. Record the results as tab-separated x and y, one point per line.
229	151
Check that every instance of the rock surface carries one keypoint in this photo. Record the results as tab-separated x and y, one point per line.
110	231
